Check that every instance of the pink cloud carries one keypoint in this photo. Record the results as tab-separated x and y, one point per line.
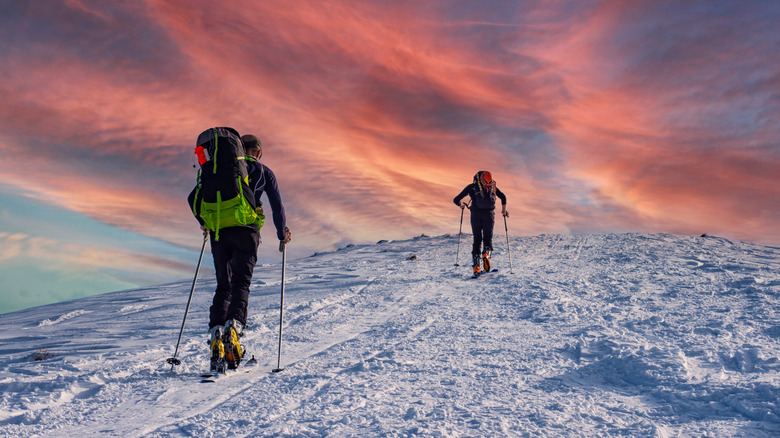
668	146
374	116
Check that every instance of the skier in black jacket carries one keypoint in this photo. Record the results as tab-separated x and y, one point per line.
483	193
235	255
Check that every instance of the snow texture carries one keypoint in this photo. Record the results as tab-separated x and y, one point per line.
595	335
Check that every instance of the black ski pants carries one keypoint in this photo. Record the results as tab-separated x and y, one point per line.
482	222
235	255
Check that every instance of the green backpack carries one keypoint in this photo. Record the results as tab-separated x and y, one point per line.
222	197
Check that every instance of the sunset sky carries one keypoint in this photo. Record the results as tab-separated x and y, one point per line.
593	116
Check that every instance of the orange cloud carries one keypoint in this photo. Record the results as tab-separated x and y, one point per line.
657	141
374	115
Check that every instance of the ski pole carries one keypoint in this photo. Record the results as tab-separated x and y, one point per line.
507	245
173	360
460	231
283	249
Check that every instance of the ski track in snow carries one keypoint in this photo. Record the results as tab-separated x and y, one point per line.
593	335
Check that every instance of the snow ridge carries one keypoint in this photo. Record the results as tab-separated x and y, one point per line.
594	335
65	317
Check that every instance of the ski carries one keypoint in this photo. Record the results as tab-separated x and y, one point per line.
214	376
214	373
222	371
483	273
208	378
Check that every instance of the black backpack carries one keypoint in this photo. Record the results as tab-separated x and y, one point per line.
485	193
222	197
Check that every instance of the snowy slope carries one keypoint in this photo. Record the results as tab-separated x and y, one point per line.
600	335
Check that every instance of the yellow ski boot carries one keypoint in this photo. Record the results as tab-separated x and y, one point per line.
217	349
234	351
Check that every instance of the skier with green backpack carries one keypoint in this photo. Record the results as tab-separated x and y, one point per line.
226	203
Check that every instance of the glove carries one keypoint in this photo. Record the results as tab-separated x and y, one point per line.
287	239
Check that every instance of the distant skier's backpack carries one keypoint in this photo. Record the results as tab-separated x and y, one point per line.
484	181
485	196
222	197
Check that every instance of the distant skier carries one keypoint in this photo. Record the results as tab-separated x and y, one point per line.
234	240
483	193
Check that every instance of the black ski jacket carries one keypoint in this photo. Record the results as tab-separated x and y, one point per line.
480	200
262	179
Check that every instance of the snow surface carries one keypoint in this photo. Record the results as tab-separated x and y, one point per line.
596	335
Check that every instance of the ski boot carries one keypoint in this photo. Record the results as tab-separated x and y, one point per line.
234	351
217	349
477	269
486	260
